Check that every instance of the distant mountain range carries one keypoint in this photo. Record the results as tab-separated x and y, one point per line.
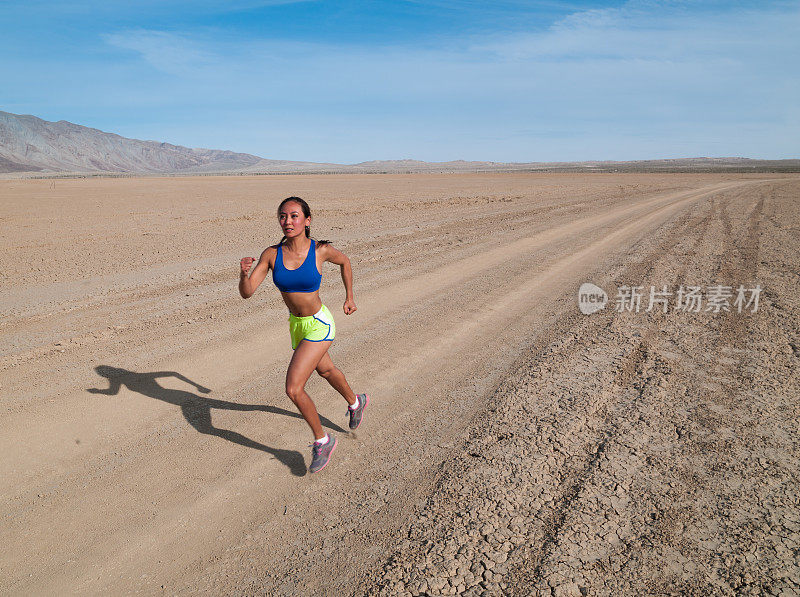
31	145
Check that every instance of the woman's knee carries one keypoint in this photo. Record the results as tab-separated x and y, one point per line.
294	391
327	373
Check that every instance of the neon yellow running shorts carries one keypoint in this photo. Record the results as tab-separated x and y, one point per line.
315	328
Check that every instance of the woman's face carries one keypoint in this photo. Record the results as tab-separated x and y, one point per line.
292	220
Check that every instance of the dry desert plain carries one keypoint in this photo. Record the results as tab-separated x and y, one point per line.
513	445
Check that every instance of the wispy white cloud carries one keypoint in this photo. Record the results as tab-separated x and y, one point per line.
171	53
664	31
607	52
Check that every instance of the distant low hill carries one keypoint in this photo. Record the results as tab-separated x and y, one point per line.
31	145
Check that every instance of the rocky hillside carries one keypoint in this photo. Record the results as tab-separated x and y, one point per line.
31	144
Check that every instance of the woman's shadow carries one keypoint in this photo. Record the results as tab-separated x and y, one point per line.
197	409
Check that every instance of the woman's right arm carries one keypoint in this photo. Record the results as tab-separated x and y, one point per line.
249	284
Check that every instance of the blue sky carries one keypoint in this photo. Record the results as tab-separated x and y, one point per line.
432	80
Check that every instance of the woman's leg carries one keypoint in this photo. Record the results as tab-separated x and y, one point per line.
336	378
305	359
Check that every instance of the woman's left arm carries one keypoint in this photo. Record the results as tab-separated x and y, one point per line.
334	255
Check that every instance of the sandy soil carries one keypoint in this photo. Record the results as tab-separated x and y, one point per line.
512	446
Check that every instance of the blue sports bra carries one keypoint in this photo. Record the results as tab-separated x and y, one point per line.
305	278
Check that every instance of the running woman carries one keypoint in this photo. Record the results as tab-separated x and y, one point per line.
295	263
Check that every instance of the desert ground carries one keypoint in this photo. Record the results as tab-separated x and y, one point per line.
513	445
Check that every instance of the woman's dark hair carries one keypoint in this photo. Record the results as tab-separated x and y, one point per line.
306	212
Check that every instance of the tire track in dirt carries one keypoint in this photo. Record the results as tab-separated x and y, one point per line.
588	328
662	534
634	370
448	549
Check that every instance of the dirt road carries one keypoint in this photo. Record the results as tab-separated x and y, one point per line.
147	444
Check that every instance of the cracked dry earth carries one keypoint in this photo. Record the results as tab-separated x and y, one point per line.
643	453
513	445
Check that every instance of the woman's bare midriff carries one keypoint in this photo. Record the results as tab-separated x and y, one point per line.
302	304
